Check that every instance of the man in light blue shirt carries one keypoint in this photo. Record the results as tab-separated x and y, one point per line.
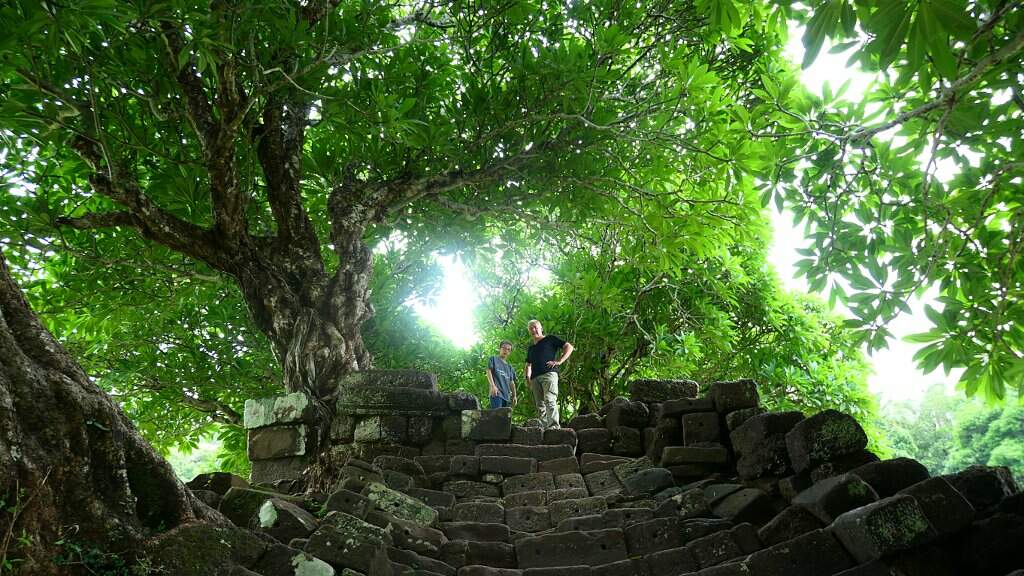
502	378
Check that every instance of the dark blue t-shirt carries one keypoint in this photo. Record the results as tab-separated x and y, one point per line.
504	376
538	355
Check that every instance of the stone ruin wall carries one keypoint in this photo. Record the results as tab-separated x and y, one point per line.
665	482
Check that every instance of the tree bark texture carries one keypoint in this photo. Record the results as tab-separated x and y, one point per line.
72	465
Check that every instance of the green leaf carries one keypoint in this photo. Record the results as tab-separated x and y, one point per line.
891	24
821	25
952	16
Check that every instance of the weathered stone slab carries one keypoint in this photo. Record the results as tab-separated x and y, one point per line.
559	494
594	440
887	477
411	535
527	436
654	535
278	442
842	464
624	412
528	518
733	395
746	505
284	520
562	509
816	553
284	559
536	498
656	439
983	486
674	455
275	410
623	517
540	481
788	524
603	483
389	379
508	465
435	498
486	512
221	545
566	436
672	561
560	466
421	430
461	400
944	506
570	481
834	496
434	463
344	541
540	453
737	418
241	505
355	477
470	489
630	467
760	444
591	462
491	425
648	482
218	482
384	400
419	562
586	421
625	441
400	505
476	531
701	427
884	527
675	408
348	502
571	548
688	504
823	437
714	548
382	428
463	465
495	555
646	390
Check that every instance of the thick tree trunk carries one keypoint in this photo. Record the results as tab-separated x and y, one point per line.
313	319
72	465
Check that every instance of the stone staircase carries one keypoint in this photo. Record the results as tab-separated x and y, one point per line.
663	483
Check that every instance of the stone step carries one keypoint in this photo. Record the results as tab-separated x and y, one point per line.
420	562
571	549
540	453
476	531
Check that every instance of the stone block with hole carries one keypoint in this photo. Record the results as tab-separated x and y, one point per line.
571	549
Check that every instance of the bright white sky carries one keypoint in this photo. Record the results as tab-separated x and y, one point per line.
895	375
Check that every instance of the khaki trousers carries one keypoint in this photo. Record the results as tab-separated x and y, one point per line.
545	395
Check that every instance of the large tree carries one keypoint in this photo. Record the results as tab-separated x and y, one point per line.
73	468
274	142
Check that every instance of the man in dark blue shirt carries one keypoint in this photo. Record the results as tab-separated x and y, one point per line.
542	361
502	378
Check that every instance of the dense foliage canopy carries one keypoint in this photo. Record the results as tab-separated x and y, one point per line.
916	186
205	201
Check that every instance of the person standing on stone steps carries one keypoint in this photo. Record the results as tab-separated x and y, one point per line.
542	361
502	378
